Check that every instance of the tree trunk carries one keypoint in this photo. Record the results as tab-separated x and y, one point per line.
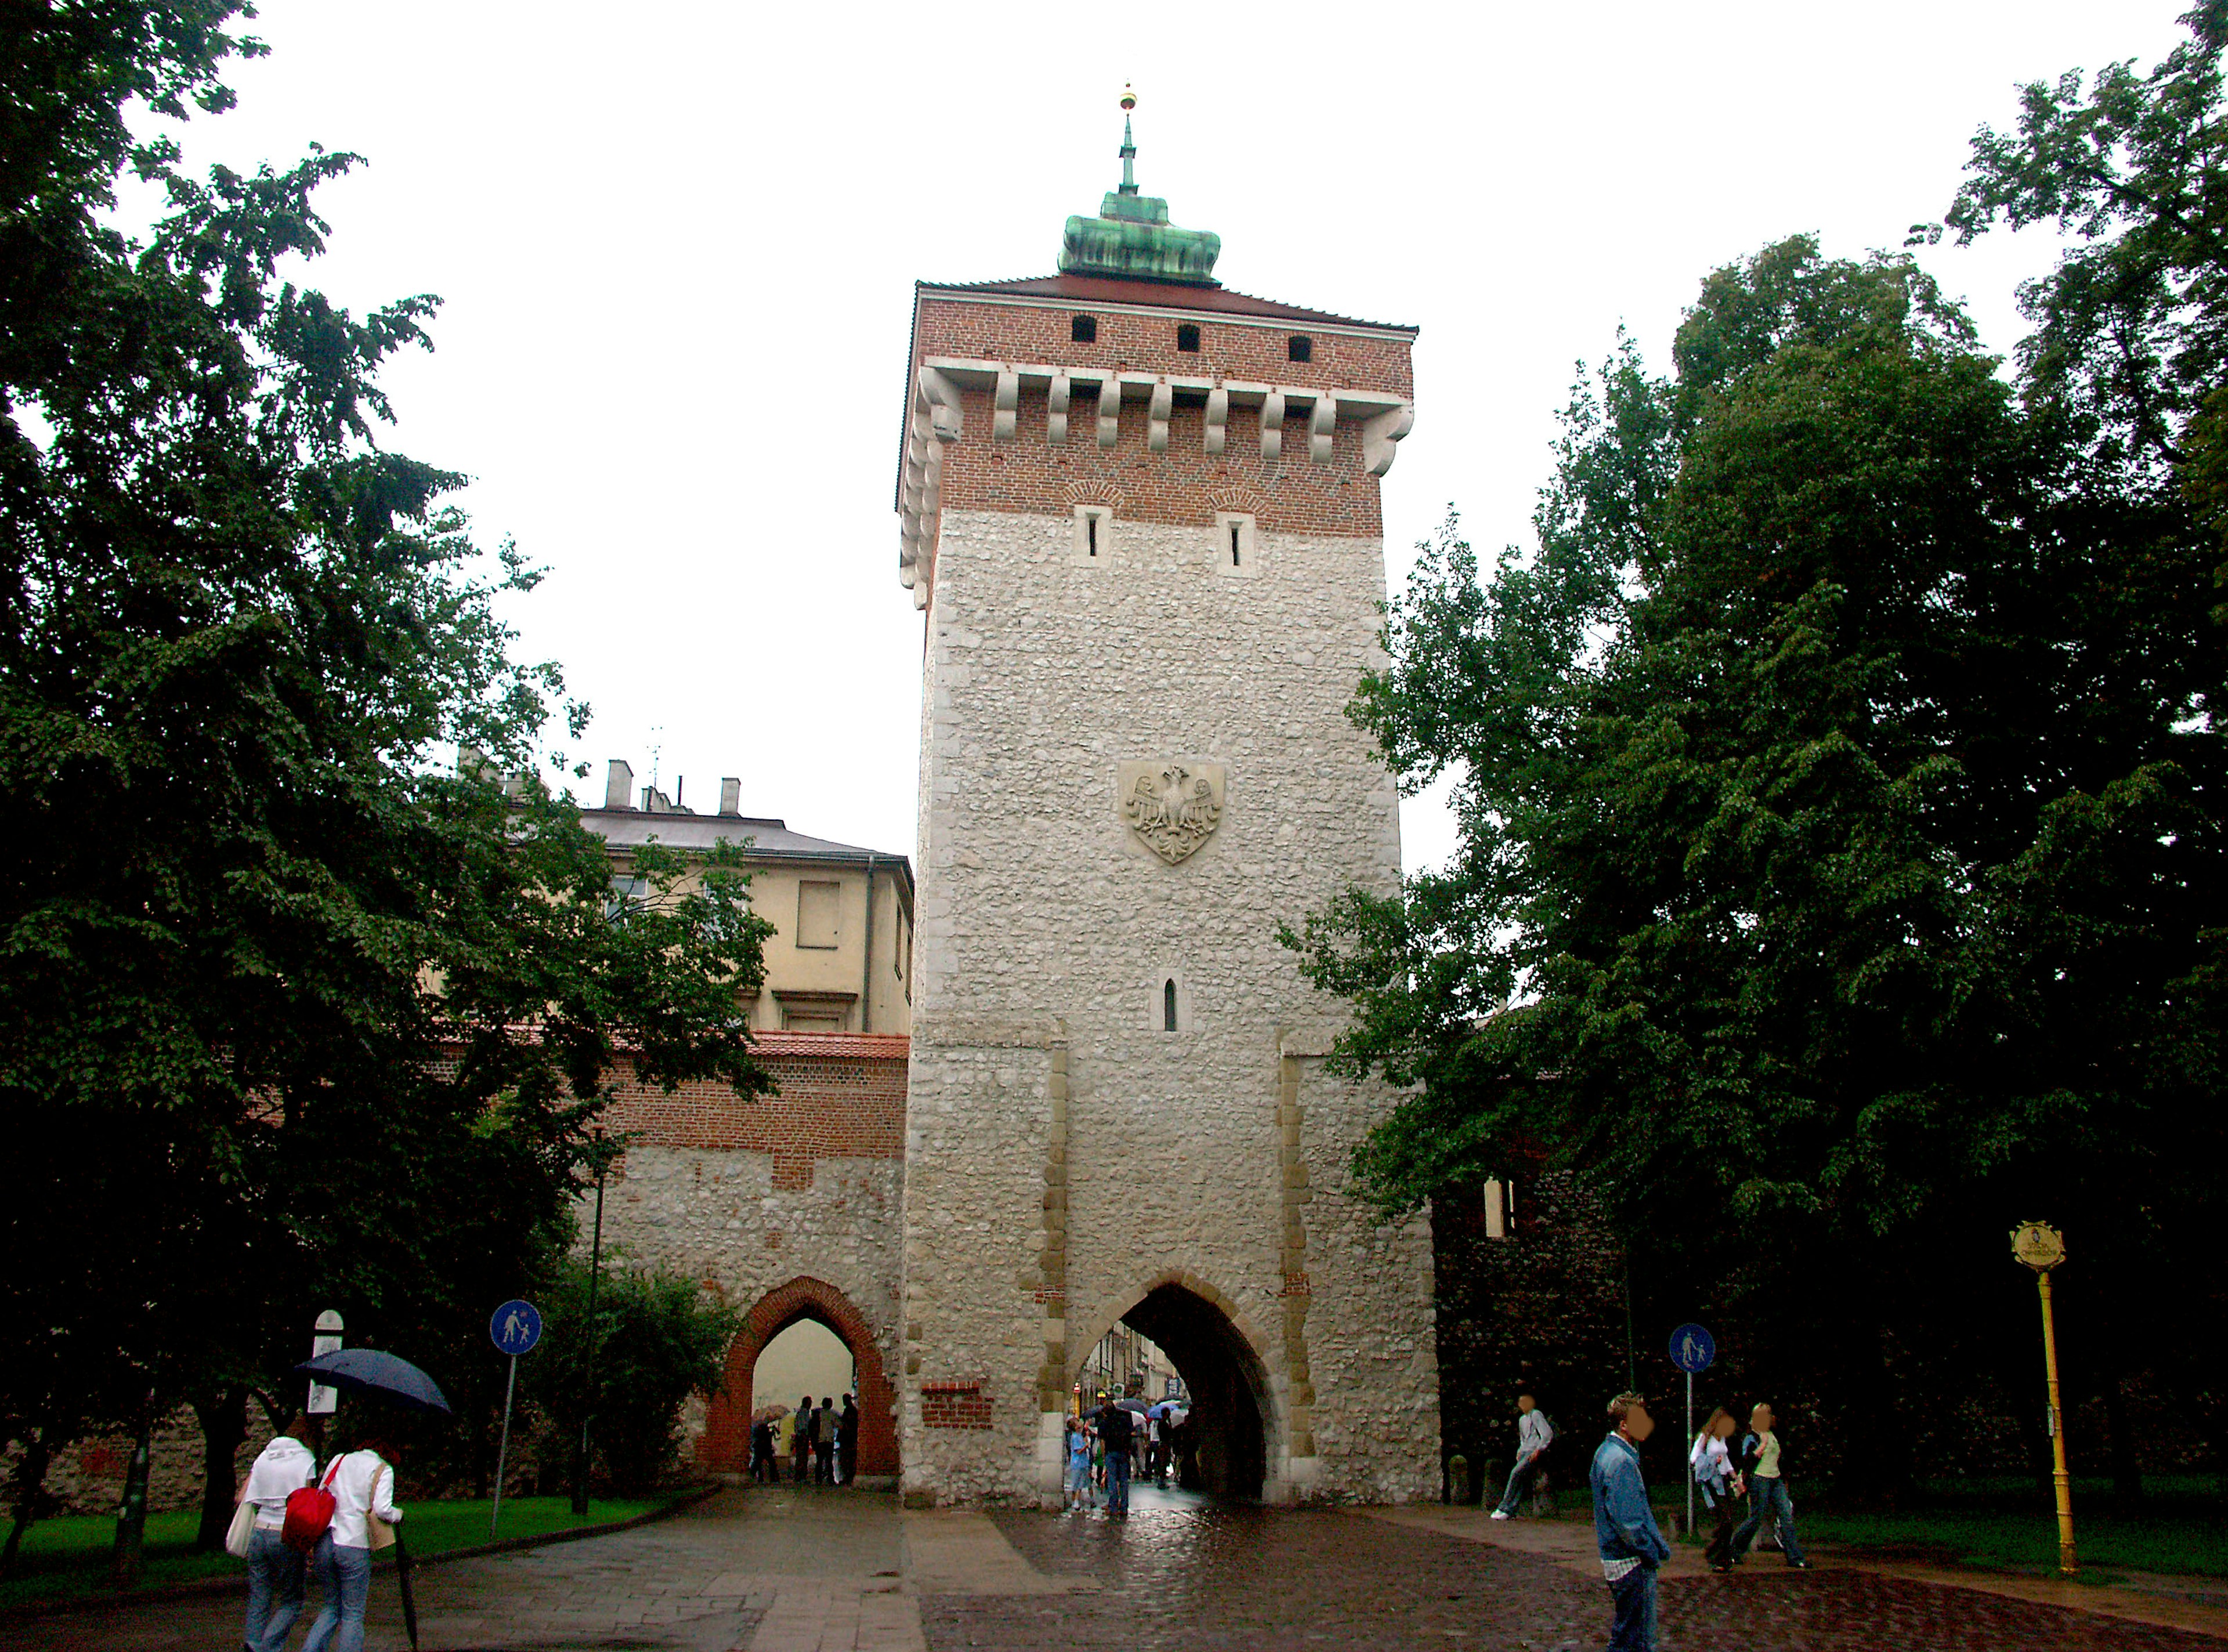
223	1417
126	1559
25	1486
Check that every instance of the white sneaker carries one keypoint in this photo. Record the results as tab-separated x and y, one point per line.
1497	1514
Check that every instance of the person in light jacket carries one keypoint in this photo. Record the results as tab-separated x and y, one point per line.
1534	1434
1632	1545
1711	1464
275	1571
363	1484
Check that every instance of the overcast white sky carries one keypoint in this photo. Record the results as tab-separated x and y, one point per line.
677	244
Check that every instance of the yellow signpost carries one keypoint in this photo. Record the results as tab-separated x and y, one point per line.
2042	1248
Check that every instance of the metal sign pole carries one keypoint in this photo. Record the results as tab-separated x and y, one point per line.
2042	1247
502	1451
1690	1450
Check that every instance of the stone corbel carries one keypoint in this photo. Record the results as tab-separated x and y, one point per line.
1110	411
1218	419
1007	405
1272	427
1056	411
1381	432
1156	427
942	398
1321	425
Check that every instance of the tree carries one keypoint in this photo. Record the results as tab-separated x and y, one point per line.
656	1339
1838	873
291	1012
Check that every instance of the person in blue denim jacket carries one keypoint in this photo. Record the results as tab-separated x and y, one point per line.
1632	1545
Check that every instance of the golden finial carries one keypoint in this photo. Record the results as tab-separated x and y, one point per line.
1128	98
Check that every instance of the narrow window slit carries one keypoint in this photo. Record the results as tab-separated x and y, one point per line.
1091	532
1169	1006
1233	544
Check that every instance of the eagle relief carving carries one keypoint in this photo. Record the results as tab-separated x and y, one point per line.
1173	806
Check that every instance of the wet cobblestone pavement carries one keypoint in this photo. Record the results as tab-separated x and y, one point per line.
1185	1574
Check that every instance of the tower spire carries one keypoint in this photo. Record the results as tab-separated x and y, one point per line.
1129	144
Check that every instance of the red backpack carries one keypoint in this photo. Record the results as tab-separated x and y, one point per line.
310	1513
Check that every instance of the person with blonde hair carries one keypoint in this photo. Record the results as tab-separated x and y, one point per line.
1710	1461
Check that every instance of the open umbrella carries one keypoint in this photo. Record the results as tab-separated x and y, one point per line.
365	1370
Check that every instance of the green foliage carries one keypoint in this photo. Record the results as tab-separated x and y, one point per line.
1839	879
291	1016
656	1339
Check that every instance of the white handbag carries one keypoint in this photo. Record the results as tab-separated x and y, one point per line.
242	1528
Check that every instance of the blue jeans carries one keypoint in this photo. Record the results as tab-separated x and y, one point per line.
1118	1482
275	1591
1520	1479
344	1574
1768	1503
1632	1616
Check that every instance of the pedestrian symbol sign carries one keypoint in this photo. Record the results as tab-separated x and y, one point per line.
1692	1348
516	1327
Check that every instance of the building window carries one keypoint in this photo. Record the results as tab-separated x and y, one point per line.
1092	539
1499	1209
818	905
1188	338
1236	551
1300	348
1168	1005
1084	329
626	894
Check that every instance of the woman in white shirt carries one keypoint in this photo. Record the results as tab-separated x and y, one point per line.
1711	1463
363	1484
274	1571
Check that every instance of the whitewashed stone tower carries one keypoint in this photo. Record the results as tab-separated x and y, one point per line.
1141	514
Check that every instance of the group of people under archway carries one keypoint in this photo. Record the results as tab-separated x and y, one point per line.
1114	1441
821	1442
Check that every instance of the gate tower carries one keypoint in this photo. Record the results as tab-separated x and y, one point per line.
1141	514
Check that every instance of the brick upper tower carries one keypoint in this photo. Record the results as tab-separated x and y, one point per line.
1141	513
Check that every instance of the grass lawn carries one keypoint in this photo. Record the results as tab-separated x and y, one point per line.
2005	1525
68	1559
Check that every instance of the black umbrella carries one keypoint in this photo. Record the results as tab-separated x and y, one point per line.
365	1370
409	1600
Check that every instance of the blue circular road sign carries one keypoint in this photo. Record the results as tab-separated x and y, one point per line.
1692	1348
516	1328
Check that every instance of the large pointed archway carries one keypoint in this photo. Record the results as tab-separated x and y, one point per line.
1224	1444
725	1446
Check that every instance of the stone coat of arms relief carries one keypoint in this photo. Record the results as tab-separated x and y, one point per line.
1173	805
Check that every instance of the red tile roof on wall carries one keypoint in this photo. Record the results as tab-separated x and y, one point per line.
1158	295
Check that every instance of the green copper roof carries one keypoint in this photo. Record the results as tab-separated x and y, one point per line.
1132	236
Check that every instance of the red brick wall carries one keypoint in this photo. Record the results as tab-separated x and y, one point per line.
841	1095
1132	341
953	1405
725	1446
1295	495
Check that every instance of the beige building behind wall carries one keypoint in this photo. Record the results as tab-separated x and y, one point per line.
840	959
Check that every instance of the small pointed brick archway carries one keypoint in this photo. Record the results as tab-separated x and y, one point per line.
725	1446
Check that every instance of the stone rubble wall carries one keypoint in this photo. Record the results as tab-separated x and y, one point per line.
1044	922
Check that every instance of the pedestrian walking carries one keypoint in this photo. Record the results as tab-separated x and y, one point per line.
1080	1492
1117	1427
1534	1434
1632	1545
275	1573
1711	1464
800	1439
764	1470
847	1442
1768	1499
361	1482
823	1442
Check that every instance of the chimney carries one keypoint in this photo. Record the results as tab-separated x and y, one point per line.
655	802
619	788
730	795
